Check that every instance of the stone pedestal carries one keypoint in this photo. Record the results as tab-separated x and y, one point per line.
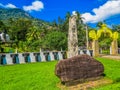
72	37
95	48
114	47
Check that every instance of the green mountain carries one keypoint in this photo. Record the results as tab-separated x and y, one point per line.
6	14
13	13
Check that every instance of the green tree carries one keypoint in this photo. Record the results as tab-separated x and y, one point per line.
65	25
2	26
55	41
116	28
81	30
99	24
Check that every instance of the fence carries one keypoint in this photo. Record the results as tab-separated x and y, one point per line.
18	58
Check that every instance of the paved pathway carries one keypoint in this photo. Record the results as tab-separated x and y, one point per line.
112	57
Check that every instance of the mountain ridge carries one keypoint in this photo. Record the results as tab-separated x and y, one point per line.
6	13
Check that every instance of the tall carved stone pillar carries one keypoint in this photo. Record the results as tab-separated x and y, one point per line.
114	47
72	37
95	47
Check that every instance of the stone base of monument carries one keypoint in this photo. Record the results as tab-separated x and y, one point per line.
75	82
86	85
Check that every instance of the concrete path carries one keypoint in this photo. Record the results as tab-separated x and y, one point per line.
112	57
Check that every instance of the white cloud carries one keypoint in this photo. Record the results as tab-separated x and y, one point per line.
36	6
74	13
9	5
105	11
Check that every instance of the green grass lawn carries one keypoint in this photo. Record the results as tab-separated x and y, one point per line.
112	71
32	76
40	76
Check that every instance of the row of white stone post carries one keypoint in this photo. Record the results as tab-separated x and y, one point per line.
18	58
13	58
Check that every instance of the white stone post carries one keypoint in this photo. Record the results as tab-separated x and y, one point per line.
60	55
51	56
88	53
42	57
9	59
21	58
32	56
81	52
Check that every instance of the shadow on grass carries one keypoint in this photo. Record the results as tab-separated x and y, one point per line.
117	80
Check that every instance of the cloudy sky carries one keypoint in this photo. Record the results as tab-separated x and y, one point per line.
92	10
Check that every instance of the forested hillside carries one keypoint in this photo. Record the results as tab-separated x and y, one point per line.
29	34
13	13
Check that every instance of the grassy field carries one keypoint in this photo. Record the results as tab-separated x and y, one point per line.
32	76
40	76
112	71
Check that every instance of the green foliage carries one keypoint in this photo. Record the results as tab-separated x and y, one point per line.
99	24
2	26
9	50
116	28
13	13
55	41
105	43
106	51
25	31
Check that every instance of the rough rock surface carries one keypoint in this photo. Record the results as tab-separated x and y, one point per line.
72	37
79	67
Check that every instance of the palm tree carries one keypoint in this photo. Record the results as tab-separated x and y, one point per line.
116	28
66	23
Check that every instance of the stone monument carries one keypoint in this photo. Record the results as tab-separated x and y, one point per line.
72	36
78	69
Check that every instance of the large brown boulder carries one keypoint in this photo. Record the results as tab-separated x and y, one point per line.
80	67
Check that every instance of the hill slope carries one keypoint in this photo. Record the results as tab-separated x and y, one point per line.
13	13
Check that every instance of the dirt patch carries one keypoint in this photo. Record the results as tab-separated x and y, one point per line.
88	85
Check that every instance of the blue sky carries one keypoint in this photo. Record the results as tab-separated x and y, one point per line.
92	10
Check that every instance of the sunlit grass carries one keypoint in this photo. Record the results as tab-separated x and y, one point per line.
33	76
40	76
112	71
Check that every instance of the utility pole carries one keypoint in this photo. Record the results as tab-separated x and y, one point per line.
87	42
